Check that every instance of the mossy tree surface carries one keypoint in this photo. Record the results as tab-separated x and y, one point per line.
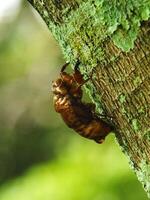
112	38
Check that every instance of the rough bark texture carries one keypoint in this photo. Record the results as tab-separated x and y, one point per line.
118	50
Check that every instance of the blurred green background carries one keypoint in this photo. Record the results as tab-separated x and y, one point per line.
40	158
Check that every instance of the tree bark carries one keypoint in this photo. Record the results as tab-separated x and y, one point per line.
117	49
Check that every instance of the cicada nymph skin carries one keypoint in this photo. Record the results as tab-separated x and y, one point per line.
76	114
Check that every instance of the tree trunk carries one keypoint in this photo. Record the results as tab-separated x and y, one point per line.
112	38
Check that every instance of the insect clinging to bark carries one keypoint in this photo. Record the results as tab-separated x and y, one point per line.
76	114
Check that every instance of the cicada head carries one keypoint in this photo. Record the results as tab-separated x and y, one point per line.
59	88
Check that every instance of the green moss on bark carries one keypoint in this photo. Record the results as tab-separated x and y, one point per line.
144	175
99	20
135	125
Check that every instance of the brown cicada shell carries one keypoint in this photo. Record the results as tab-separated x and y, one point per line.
76	114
